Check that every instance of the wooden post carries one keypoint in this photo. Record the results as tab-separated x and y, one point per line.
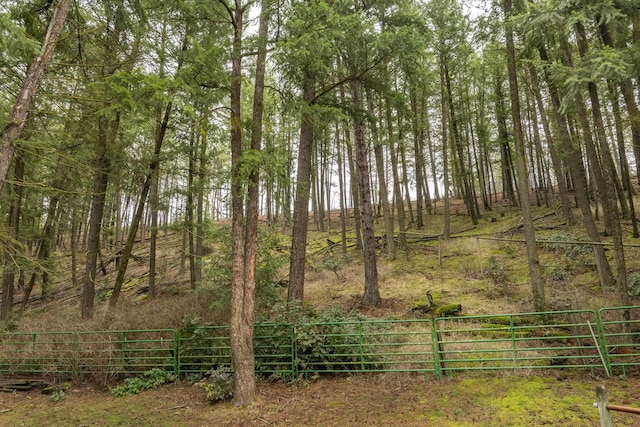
440	251
479	255
602	403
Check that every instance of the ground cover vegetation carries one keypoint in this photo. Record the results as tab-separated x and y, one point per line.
176	164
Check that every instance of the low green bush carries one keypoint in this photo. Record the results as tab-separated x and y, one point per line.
203	346
573	248
496	272
557	272
329	340
633	285
219	384
148	380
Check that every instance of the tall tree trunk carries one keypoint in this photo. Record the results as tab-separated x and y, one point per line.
607	181
355	192
26	95
405	168
11	250
382	184
505	150
628	94
446	233
624	163
153	238
425	134
574	161
245	237
137	217
202	158
537	286
241	334
341	191
556	162
75	241
107	132
434	169
43	252
190	223
458	150
301	203
371	295
397	193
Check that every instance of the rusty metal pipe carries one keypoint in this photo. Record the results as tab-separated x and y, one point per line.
619	408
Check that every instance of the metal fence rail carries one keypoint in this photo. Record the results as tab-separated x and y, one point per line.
82	354
621	337
518	341
604	340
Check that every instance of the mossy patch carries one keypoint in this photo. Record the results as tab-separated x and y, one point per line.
532	401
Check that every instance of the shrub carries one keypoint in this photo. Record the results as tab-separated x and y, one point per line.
57	396
496	272
633	285
329	340
324	341
219	384
334	263
203	347
148	380
270	260
571	250
558	272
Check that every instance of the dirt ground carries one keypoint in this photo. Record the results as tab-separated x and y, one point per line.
366	400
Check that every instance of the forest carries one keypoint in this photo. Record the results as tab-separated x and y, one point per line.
243	125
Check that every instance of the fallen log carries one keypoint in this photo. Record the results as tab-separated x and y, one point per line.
12	385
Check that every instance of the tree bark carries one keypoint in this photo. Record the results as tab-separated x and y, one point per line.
26	95
341	191
371	293
301	204
627	92
505	150
397	193
446	233
574	161
458	151
418	159
107	132
11	251
537	286
382	185
137	217
190	223
607	181
622	155
556	161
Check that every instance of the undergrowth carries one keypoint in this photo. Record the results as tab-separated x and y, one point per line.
148	380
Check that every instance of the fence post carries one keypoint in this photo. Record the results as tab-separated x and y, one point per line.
123	346
479	255
361	345
176	352
294	351
437	367
75	374
603	401
514	346
604	347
